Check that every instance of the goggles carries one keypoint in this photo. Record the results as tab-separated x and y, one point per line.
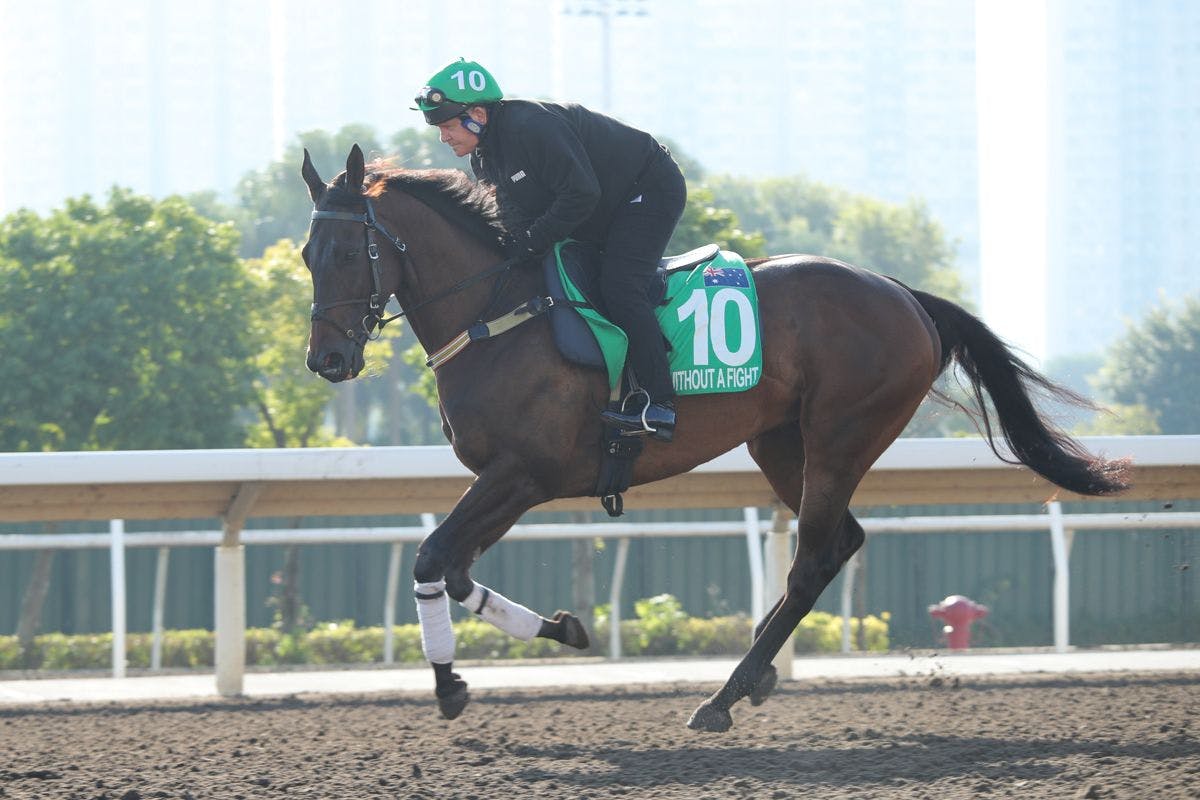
430	96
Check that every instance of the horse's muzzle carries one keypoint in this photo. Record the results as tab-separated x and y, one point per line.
333	366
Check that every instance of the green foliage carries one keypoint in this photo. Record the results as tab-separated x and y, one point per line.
59	651
661	629
704	221
342	643
796	215
821	632
420	148
274	202
1118	419
128	325
10	653
1156	365
289	399
658	617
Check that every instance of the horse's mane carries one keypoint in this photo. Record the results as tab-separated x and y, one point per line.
449	192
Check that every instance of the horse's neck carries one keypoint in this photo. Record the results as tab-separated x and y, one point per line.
441	257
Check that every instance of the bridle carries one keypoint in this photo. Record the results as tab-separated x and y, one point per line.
374	321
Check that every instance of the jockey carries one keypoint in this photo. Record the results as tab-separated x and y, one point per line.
561	171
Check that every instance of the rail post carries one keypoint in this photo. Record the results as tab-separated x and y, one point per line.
778	561
230	600
1060	545
116	532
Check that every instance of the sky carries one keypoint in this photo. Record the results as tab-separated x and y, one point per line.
1012	156
1012	170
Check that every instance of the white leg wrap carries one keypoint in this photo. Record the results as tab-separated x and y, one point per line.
512	618
433	611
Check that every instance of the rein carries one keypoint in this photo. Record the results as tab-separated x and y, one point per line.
373	321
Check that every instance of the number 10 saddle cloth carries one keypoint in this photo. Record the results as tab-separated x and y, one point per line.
706	305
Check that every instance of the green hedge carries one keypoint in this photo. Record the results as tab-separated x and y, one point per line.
661	629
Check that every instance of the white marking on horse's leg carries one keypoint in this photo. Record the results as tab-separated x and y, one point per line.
512	618
433	611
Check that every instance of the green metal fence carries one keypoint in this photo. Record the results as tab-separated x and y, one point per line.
1126	586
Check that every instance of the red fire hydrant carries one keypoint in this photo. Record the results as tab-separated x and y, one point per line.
958	613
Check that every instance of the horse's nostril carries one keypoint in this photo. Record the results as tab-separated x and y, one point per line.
333	367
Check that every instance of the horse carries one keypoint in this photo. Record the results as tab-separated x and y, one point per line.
848	355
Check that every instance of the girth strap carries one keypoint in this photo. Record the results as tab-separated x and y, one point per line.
486	330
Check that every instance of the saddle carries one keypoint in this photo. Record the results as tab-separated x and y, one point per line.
578	344
571	332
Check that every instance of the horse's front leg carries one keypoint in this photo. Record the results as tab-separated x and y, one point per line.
484	514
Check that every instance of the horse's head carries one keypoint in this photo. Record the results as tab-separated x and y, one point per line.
353	275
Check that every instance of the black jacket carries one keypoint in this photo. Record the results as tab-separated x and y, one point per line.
560	170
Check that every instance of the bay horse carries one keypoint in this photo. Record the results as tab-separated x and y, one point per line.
848	355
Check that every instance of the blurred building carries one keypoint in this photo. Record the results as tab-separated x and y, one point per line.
880	98
171	97
1124	165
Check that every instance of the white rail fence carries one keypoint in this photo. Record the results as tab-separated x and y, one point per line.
769	549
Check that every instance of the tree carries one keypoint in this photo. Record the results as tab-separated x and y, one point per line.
289	399
1156	365
276	199
704	222
903	242
796	215
1120	420
420	148
123	327
273	202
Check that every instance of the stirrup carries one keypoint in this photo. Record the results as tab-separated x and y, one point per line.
646	429
638	424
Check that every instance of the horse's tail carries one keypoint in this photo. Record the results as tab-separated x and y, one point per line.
989	364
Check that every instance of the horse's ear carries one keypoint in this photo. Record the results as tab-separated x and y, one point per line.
356	169
316	186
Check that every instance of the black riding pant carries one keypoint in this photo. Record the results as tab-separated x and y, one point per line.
633	247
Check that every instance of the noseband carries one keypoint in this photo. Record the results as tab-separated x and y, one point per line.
373	321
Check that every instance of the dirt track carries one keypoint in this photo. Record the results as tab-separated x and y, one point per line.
1077	737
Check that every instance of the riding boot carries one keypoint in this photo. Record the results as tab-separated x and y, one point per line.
656	419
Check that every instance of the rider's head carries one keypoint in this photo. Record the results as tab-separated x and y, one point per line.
456	99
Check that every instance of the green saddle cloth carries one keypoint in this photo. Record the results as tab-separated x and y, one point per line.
709	315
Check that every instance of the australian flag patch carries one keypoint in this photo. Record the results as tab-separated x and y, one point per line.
717	276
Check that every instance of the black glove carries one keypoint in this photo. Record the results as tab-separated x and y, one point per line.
534	246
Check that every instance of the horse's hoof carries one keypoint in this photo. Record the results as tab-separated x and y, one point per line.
453	698
709	718
766	684
573	632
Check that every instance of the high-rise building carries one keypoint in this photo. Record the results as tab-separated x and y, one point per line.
879	98
1124	155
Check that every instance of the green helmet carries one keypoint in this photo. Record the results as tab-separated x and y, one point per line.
454	89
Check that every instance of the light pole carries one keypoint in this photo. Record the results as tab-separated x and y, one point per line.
605	10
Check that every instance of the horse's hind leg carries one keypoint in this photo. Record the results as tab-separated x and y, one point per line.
828	535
